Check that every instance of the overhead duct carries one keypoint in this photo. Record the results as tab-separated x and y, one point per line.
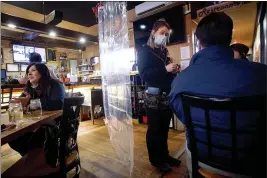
150	8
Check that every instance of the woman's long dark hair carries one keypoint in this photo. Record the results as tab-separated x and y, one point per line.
45	79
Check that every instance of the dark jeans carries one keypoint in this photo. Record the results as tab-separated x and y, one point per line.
157	135
28	141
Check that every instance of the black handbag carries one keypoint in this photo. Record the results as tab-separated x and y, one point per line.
157	102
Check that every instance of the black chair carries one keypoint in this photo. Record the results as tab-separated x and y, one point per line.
68	150
69	124
234	105
68	138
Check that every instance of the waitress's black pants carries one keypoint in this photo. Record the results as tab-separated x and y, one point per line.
157	135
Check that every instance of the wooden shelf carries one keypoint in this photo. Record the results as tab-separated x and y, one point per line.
84	65
85	71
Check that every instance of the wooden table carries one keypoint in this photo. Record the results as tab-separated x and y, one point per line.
30	125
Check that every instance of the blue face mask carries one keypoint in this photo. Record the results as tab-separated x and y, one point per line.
160	40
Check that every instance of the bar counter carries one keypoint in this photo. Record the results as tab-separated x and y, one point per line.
84	88
76	86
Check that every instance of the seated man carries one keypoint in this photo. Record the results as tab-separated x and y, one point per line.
214	73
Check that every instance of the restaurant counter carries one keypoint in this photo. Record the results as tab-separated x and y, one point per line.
84	88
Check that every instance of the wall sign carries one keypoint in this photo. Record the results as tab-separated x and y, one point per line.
218	8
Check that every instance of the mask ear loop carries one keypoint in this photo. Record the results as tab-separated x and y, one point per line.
168	38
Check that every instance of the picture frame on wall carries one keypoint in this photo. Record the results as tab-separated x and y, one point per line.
10	67
51	54
23	67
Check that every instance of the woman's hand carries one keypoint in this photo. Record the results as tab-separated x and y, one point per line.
178	69
171	67
24	100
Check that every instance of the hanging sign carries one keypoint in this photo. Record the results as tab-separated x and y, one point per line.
218	8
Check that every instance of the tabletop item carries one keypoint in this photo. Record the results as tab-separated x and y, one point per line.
5	118
35	107
5	127
15	112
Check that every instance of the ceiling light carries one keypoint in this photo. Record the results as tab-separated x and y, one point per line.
171	31
142	27
82	40
52	34
11	25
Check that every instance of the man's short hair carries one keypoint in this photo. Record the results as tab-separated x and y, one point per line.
215	29
35	58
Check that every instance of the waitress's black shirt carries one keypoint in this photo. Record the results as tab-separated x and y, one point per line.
151	65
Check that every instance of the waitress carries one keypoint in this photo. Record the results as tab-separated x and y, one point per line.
158	71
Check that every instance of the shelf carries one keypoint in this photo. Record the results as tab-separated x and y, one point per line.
84	65
85	74
85	71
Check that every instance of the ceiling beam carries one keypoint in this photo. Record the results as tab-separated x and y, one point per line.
15	37
38	27
53	18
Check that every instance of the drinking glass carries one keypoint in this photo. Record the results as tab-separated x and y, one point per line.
15	112
35	107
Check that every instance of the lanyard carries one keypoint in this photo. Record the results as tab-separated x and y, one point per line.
164	61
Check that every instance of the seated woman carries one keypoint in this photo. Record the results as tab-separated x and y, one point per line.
51	93
36	58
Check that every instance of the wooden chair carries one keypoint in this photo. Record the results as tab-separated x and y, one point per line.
34	163
6	94
256	104
70	88
96	99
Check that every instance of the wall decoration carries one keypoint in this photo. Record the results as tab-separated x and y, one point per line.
63	65
10	67
51	54
23	67
63	56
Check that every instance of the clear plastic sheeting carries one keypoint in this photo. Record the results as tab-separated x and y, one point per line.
115	57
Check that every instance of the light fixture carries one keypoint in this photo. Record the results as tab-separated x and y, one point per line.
82	40
142	27
171	31
11	25
53	34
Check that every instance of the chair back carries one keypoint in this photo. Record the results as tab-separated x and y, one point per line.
6	94
96	97
233	106
69	125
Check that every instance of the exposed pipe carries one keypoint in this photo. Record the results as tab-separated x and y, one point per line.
44	11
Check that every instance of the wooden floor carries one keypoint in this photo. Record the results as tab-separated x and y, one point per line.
98	158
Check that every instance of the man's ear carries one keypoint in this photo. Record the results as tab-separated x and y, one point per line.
199	46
